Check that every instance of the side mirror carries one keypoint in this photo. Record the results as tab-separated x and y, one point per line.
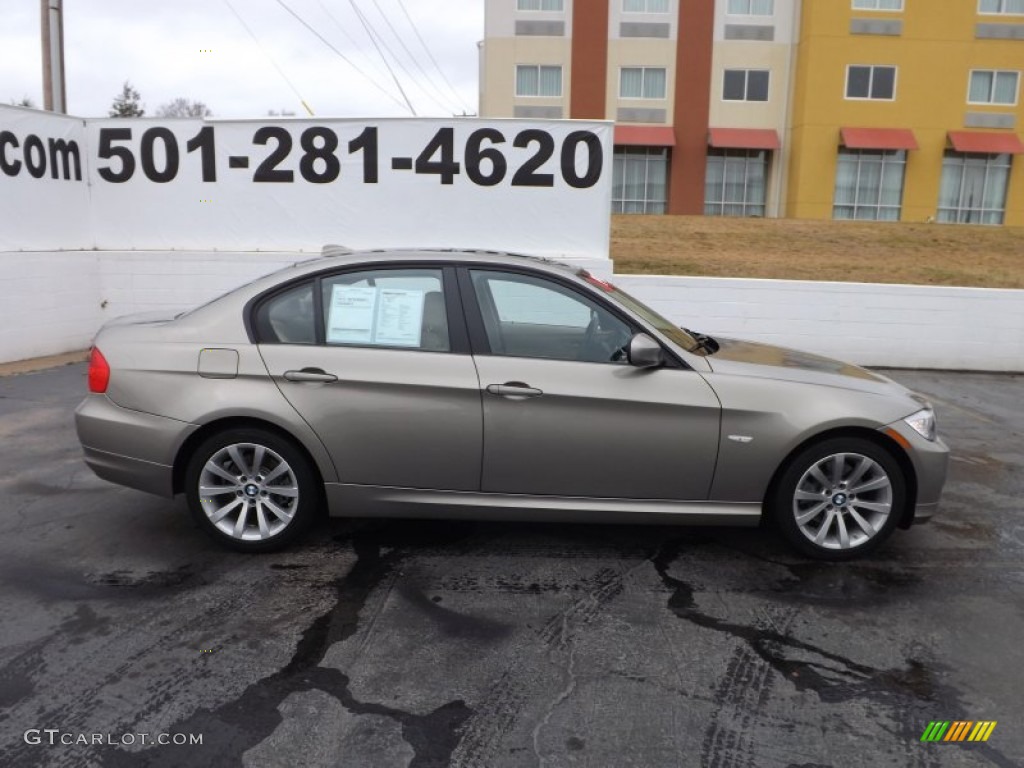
644	352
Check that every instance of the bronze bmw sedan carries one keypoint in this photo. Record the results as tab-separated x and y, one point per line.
487	385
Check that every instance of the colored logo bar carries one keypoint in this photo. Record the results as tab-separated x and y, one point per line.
958	730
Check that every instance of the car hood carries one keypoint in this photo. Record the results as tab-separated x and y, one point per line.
748	358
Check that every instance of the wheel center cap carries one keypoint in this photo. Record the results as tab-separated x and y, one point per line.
251	490
840	499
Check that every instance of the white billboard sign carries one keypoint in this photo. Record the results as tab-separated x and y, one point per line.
44	181
541	187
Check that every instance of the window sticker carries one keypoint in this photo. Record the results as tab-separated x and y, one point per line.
399	317
352	311
391	317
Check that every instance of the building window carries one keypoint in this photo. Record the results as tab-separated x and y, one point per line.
540	5
639	180
745	85
973	188
869	184
538	81
645	6
734	183
642	83
991	87
751	7
871	82
879	5
1015	7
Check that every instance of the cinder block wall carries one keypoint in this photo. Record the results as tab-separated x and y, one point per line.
867	323
55	301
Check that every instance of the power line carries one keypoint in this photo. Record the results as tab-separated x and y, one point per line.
426	48
415	61
346	59
269	57
366	26
356	45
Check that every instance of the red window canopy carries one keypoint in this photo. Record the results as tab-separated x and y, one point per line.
986	143
878	138
644	136
743	138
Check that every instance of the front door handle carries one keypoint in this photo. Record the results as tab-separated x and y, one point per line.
311	374
515	390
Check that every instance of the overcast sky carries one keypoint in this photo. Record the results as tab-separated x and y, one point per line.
157	44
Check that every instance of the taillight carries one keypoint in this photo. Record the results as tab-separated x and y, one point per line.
99	372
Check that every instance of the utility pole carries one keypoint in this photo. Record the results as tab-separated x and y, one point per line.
52	18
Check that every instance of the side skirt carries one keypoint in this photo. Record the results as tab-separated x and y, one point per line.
346	500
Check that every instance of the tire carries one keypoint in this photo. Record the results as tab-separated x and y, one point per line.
840	498
264	512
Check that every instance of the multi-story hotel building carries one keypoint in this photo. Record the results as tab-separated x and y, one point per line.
850	109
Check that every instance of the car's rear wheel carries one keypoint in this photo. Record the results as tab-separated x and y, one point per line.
251	490
840	498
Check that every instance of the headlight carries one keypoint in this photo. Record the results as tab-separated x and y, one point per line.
923	422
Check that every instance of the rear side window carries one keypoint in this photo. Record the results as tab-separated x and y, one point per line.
399	308
287	317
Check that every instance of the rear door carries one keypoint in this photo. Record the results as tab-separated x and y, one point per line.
565	414
377	362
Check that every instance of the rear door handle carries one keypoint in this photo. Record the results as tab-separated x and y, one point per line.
514	389
311	374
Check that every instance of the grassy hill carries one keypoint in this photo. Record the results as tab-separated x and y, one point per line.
869	252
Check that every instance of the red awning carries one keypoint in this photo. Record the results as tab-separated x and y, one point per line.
644	136
878	138
987	143
743	138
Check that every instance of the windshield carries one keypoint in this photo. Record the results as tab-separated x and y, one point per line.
668	329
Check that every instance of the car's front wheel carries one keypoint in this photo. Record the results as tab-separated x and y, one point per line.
251	490
840	498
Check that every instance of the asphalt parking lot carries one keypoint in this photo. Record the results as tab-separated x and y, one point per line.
393	643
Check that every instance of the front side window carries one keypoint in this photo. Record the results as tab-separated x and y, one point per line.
533	80
745	85
734	184
870	82
993	87
287	317
751	7
1015	7
878	5
526	316
973	188
640	180
395	308
539	5
642	83
869	184
645	6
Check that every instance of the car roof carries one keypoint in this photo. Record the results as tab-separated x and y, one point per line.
338	257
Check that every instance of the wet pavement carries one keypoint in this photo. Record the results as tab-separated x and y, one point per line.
393	643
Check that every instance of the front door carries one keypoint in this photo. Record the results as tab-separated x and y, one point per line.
566	415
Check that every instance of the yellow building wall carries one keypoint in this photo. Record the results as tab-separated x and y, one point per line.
934	57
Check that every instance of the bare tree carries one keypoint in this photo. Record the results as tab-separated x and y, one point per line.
182	107
280	113
127	103
24	101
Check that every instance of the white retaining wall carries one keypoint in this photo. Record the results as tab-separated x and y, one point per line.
54	302
906	326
